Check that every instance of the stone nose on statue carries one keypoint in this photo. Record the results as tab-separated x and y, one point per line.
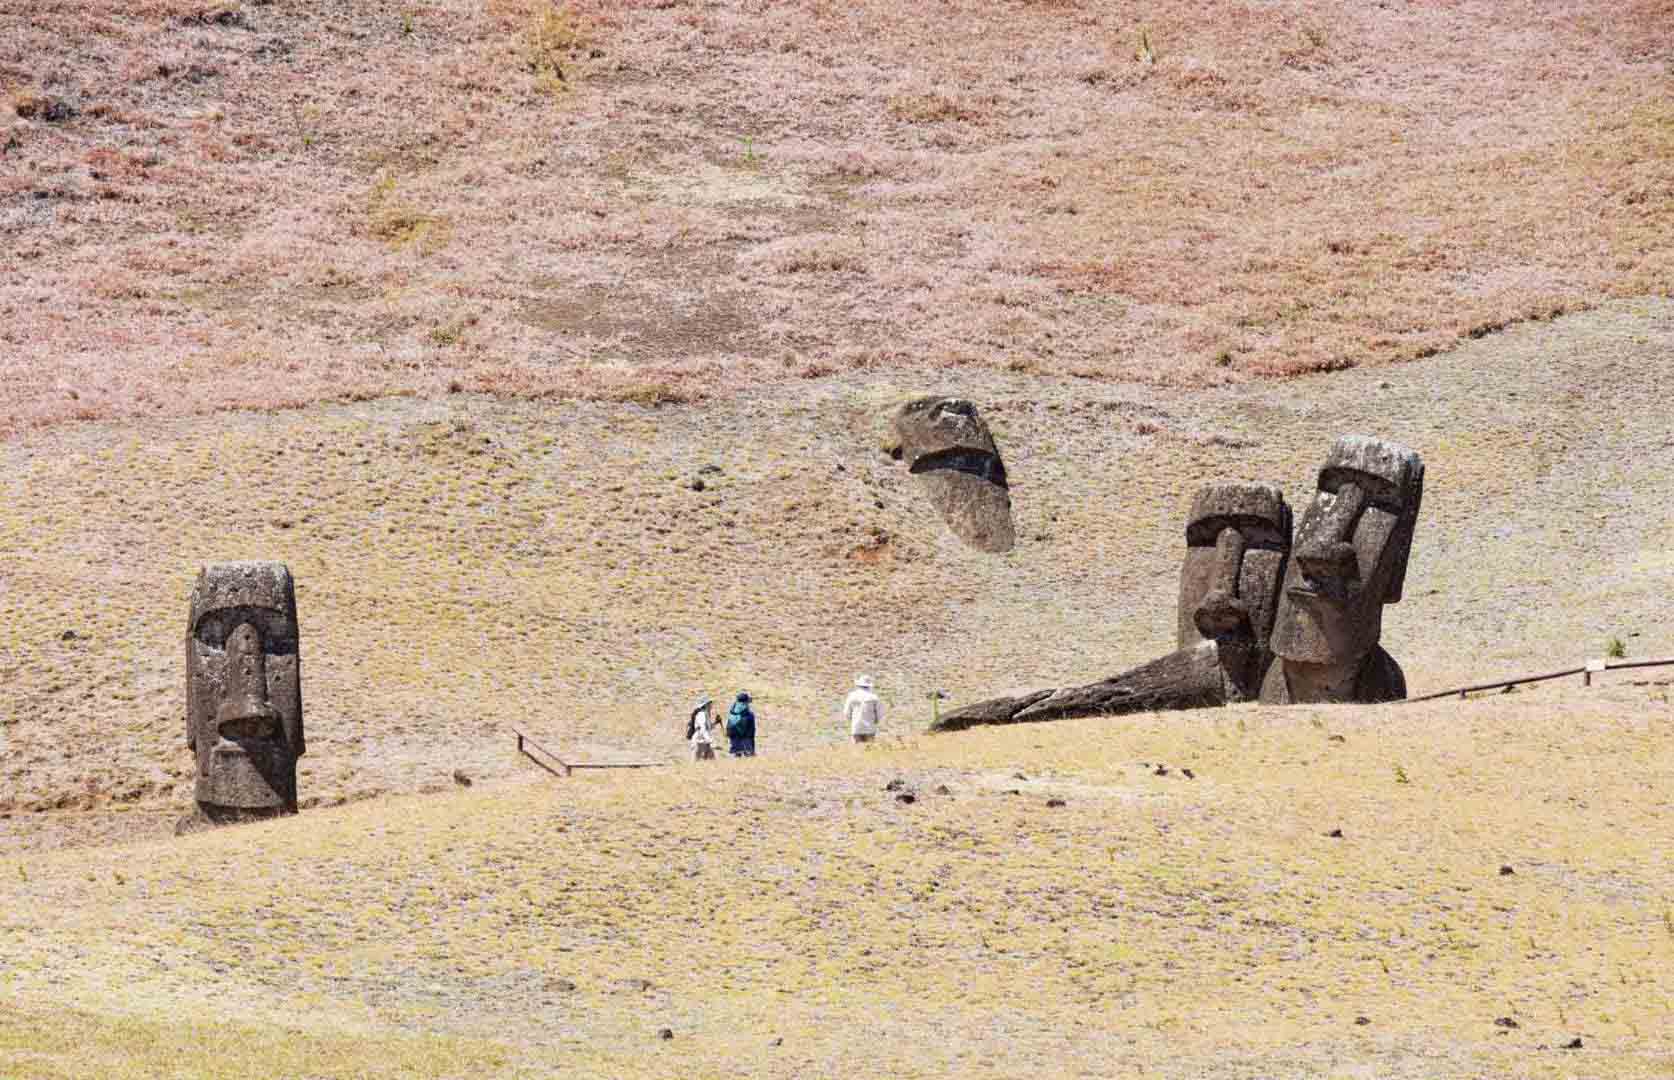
245	712
1220	613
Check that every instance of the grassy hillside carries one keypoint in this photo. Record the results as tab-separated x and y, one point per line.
272	203
551	347
467	565
792	917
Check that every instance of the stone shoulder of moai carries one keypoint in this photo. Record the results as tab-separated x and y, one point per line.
244	691
1237	545
1349	558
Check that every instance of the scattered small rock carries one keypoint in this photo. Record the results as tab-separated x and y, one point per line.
562	986
460	778
1335	738
68	635
1188	774
1506	870
710	469
665	1033
942	789
896	784
697	483
1573	1044
906	797
1506	1022
1055	802
776	1041
1018	776
1160	770
1335	834
1362	1021
1012	791
637	985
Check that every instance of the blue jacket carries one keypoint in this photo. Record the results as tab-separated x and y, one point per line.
741	721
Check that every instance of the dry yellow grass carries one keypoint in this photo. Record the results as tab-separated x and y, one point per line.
1153	924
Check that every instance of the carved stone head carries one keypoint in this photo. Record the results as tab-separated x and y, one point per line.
244	689
948	447
1237	544
1349	556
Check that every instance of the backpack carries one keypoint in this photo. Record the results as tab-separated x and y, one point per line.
691	725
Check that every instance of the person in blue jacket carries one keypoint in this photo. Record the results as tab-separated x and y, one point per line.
741	727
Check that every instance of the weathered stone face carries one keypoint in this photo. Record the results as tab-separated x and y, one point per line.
1350	553
244	690
1237	545
949	448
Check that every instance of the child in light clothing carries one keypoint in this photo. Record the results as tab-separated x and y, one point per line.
699	729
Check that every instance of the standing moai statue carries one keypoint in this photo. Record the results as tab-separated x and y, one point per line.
243	693
949	448
1349	559
1237	544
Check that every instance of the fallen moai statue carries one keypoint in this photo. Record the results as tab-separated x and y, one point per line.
1257	623
949	448
1237	543
243	694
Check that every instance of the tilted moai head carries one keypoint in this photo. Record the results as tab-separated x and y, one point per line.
244	690
1349	556
1237	545
946	444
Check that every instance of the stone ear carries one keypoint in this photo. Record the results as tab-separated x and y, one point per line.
1401	542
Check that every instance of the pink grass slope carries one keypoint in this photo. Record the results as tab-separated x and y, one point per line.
267	204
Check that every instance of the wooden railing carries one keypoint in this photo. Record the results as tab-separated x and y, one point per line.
1586	671
535	752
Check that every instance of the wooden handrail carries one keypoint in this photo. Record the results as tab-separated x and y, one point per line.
526	745
1586	671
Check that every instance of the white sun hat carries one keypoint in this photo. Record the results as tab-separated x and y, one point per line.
863	681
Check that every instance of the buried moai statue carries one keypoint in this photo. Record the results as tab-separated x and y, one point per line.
1351	551
1237	543
243	693
949	448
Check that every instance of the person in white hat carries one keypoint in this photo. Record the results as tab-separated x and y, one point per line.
863	710
698	730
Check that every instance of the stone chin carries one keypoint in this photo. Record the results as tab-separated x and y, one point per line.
1312	628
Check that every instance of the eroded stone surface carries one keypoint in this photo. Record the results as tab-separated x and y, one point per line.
949	448
1349	560
243	693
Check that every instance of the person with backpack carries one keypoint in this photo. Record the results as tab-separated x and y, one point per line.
862	710
699	723
741	727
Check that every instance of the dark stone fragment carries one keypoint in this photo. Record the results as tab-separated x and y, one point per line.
1335	834
665	1033
1362	1021
1573	1044
697	483
1506	871
906	797
896	784
1055	802
1506	1022
942	789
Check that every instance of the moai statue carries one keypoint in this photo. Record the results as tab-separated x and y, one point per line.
946	444
1350	559
243	693
1237	543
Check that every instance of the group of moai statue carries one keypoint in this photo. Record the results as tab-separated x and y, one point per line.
1264	615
